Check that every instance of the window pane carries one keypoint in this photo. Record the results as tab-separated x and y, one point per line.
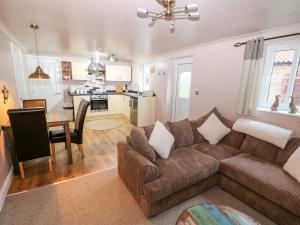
185	84
281	72
296	91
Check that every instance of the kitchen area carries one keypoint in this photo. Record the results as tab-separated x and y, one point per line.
106	86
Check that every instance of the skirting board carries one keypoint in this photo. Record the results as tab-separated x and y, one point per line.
5	187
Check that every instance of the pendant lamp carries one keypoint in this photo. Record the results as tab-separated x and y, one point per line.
38	73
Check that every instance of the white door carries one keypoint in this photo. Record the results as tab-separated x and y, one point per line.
52	89
182	86
18	62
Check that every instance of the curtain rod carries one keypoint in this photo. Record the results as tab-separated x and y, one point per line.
238	44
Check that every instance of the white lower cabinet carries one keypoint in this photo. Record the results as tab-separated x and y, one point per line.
125	108
119	104
114	102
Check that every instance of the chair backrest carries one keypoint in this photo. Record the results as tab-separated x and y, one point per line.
80	116
35	103
30	133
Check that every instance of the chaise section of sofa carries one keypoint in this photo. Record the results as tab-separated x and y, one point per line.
256	177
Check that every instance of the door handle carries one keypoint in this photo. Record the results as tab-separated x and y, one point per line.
130	103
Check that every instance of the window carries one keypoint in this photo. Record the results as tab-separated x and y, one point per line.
185	84
281	76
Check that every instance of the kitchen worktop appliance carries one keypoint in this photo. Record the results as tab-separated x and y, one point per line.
99	103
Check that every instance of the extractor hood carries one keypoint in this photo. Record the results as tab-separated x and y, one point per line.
95	66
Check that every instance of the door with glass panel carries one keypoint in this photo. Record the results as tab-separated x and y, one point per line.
183	77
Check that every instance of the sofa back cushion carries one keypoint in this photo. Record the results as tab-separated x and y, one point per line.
182	132
233	139
259	148
141	144
148	131
284	154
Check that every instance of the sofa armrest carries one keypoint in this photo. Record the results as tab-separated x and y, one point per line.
134	169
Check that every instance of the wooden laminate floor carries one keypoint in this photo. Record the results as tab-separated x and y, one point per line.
100	149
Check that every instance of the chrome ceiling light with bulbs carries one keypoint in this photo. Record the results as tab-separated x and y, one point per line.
171	13
38	73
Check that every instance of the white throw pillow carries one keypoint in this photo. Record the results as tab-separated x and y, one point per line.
292	166
213	130
161	140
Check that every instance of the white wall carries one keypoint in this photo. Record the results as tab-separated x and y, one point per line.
7	78
216	75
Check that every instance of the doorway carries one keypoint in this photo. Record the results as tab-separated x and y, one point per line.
19	72
182	88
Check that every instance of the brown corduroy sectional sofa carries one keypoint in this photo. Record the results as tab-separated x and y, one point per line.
244	166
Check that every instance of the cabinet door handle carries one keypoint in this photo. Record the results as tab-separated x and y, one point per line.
130	103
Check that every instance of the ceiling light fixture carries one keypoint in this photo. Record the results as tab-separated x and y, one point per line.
112	58
38	73
171	13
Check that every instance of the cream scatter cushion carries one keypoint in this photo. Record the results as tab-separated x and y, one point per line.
292	166
213	130
161	140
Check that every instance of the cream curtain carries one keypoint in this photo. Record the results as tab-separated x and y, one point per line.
251	77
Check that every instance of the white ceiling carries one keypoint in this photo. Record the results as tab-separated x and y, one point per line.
77	27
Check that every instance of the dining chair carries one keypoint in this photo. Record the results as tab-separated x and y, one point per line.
30	134
57	136
35	103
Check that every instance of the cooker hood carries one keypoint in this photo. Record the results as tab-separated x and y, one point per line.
95	66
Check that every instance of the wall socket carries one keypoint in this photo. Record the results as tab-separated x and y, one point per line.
196	92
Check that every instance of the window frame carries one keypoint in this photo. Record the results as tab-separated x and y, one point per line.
267	71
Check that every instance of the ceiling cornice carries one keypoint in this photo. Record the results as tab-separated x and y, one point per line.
11	36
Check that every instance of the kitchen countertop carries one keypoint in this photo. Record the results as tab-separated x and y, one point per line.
130	94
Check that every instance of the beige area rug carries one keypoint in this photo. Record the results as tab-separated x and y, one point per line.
102	124
99	199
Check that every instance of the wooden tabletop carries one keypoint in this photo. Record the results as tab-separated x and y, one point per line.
56	117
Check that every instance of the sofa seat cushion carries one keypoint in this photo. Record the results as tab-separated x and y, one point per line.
264	178
184	167
218	152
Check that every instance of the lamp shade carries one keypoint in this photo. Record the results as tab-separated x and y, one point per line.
39	74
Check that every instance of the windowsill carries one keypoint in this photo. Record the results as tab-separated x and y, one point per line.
282	112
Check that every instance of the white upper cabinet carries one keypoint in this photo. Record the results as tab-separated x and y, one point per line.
118	73
79	70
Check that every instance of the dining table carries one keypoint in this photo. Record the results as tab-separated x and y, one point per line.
59	119
53	119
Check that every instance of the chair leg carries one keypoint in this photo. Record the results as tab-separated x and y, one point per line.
50	163
21	170
80	148
53	151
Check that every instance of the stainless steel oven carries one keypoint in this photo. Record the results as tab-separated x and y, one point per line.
99	103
